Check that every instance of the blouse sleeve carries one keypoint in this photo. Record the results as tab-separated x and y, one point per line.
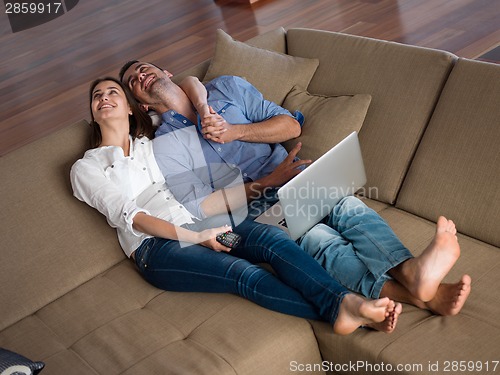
91	186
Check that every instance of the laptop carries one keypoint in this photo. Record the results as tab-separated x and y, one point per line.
311	195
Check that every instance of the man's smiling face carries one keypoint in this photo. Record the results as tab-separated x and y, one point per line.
148	83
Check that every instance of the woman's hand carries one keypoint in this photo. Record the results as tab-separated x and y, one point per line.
207	239
156	227
214	126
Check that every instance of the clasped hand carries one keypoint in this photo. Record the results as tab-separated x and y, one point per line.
215	128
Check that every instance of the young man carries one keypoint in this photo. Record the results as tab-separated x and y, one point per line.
249	139
239	138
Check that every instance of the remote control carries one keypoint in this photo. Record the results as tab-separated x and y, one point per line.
229	239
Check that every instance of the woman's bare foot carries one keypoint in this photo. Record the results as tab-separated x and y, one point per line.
450	298
390	322
356	311
422	275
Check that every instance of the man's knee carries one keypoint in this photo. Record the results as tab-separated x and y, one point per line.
312	240
351	205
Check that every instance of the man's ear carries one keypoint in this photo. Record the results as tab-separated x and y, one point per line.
144	107
169	75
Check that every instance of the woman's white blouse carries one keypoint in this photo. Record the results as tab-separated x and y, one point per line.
120	186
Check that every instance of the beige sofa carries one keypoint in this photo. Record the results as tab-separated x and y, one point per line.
430	141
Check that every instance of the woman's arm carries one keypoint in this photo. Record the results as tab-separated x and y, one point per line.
156	227
90	185
197	93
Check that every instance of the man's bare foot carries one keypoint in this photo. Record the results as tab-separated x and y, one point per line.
423	275
450	298
390	322
356	311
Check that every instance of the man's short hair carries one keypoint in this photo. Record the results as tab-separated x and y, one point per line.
125	68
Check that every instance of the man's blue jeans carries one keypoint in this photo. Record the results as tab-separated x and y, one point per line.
356	246
301	286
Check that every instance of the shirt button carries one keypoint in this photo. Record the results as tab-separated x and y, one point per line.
244	174
184	121
172	113
223	111
219	149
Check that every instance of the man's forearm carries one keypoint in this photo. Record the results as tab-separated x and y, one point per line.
224	200
275	130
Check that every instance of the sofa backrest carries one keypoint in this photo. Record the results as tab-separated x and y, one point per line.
404	82
51	242
456	171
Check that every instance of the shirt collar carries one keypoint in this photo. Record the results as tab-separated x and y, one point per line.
172	120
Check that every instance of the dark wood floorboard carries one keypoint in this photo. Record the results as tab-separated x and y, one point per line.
45	71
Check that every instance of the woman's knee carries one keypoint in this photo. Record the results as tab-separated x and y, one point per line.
270	232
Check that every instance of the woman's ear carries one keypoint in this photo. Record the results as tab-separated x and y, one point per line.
169	75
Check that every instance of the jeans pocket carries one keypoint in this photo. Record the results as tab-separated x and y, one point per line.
144	253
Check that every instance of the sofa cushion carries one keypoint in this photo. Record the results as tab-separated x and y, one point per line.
456	169
328	119
259	67
52	241
422	338
274	40
404	81
118	324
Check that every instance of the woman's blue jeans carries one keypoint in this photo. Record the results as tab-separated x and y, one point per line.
301	287
356	246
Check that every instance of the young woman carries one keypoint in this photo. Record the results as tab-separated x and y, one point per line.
120	178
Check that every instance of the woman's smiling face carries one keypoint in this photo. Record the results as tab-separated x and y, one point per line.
109	102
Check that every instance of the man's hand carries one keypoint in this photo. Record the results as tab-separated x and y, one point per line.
285	171
216	128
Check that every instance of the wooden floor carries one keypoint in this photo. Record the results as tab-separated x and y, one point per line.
45	71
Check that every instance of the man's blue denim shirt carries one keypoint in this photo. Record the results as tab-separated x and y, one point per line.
194	167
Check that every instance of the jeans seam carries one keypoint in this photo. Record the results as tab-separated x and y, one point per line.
226	279
337	296
389	256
